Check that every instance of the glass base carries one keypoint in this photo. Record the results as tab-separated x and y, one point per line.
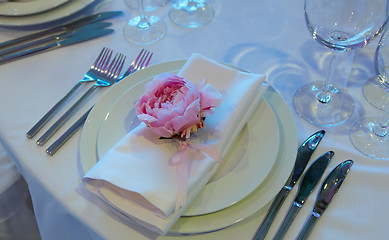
191	14
366	141
144	30
338	110
376	94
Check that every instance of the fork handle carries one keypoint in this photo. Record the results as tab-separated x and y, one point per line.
67	134
34	130
54	128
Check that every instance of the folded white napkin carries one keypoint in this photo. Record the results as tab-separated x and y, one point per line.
136	177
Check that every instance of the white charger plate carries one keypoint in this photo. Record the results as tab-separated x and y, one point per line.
65	10
21	8
256	200
247	164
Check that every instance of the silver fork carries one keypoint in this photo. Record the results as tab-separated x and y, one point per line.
101	60
141	61
105	78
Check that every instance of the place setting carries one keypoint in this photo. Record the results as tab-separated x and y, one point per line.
217	205
181	148
249	159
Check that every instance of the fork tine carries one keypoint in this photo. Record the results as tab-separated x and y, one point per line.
120	67
106	70
99	58
105	61
128	72
148	61
140	62
144	60
117	67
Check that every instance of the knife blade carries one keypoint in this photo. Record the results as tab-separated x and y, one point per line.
327	191
55	37
307	184
62	28
304	153
80	37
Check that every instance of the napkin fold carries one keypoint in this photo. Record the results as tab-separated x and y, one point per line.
136	175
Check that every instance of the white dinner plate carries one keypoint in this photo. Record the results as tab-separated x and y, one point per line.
266	191
65	10
21	8
247	164
240	210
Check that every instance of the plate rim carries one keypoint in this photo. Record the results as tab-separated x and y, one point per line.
65	10
28	8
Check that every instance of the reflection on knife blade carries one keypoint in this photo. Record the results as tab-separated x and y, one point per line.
307	184
52	38
80	37
60	29
304	153
329	188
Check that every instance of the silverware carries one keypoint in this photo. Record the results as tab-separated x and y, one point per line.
304	153
141	61
67	134
105	78
60	29
80	37
56	37
91	75
328	189
307	184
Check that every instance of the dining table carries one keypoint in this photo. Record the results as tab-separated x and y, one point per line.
259	36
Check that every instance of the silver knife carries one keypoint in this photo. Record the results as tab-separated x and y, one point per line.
307	184
80	37
56	37
304	153
329	187
66	27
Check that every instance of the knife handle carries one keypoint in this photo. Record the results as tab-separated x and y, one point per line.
293	210
271	214
34	36
16	55
308	226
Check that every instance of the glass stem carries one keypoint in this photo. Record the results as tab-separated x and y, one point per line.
381	128
143	23
325	95
191	6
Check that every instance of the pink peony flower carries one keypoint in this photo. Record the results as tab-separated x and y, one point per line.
173	105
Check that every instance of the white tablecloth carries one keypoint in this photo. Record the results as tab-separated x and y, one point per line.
263	36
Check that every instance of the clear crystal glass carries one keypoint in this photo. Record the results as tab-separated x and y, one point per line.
340	25
144	29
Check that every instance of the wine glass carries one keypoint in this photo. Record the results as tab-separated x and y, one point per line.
340	25
144	29
148	5
191	13
370	134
